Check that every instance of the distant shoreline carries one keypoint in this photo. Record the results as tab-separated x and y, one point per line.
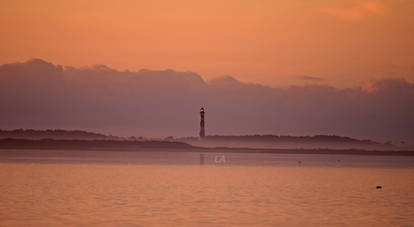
139	146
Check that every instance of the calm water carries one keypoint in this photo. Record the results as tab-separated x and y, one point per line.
173	189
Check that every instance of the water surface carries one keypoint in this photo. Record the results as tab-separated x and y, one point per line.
173	189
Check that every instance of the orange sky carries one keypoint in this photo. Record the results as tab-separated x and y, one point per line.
274	42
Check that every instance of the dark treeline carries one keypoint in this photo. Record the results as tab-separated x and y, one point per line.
287	138
52	144
53	134
9	146
288	142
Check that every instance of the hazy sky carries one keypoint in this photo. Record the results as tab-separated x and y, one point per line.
336	42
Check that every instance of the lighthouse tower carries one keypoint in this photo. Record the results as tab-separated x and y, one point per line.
201	133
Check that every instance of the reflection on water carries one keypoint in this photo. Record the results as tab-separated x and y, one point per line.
92	190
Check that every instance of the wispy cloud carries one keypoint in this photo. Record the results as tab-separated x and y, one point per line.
359	11
309	78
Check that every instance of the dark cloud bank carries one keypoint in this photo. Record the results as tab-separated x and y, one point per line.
38	94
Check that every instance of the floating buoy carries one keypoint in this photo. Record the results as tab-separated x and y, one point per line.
379	187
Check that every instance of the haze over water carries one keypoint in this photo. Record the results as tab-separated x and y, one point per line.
172	189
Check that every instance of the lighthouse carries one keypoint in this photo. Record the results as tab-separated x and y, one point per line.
201	133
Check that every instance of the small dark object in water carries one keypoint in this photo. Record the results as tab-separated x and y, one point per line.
300	162
338	160
379	187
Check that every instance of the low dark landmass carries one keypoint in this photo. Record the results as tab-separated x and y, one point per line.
288	142
52	144
168	146
59	134
242	141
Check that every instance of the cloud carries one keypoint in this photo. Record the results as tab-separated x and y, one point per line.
309	78
359	11
387	85
38	94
